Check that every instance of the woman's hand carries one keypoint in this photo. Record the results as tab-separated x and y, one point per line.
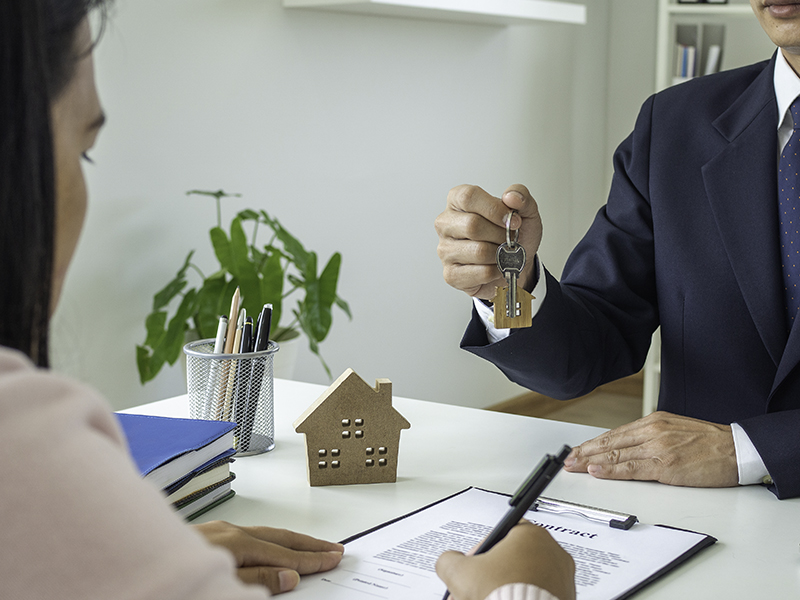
528	554
274	558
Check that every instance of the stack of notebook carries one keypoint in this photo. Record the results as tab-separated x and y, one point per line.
189	459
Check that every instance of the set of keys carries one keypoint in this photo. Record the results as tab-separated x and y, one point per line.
512	304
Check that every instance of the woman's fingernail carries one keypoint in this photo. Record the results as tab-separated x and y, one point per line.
595	469
569	462
288	579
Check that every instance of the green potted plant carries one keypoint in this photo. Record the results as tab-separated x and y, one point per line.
269	274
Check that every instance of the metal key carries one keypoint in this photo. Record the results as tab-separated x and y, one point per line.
510	260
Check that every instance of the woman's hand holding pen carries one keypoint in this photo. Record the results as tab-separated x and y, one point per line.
274	558
528	554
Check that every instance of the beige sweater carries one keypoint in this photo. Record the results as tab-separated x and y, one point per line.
76	520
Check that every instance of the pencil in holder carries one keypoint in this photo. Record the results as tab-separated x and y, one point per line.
233	387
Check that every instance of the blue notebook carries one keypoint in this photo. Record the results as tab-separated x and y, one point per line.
167	449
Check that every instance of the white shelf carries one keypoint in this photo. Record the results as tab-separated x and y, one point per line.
710	9
668	11
495	12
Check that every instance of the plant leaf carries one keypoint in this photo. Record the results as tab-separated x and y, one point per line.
154	323
293	247
170	347
247	215
244	269
174	287
312	343
272	286
344	306
222	248
328	280
209	298
148	367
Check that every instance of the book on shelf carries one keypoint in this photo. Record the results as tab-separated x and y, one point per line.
685	61
712	59
188	459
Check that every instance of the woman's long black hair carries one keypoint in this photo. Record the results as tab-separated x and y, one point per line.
37	60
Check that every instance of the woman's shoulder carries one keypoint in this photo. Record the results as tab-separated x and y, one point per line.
45	403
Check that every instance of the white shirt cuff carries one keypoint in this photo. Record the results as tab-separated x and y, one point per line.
486	313
520	591
751	468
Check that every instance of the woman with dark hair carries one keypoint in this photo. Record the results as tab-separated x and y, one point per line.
77	521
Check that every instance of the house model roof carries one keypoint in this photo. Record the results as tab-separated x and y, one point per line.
352	433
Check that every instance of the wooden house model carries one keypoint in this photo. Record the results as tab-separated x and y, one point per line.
352	433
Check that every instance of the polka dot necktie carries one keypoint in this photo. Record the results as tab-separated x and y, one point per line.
789	217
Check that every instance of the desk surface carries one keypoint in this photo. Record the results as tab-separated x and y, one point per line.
449	448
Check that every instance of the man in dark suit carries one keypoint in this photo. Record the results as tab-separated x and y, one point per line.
691	240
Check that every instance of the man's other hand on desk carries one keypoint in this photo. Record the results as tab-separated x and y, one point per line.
661	447
274	558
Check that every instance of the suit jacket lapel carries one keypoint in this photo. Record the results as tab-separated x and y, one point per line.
741	184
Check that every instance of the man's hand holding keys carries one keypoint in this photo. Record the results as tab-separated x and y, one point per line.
473	226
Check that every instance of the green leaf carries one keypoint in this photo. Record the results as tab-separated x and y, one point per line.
154	323
247	215
310	269
174	287
209	298
258	257
295	281
316	316
328	280
272	286
169	349
148	367
344	306
312	343
244	269
320	296
293	247
222	248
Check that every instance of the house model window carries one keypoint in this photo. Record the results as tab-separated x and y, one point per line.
352	433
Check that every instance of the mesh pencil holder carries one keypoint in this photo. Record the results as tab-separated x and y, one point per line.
233	387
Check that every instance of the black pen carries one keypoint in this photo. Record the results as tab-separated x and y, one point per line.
523	499
250	407
247	336
262	330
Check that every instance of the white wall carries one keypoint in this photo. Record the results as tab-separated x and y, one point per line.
351	130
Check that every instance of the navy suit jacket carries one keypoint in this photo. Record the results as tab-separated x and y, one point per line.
688	240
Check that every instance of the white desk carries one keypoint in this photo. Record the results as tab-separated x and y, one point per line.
449	448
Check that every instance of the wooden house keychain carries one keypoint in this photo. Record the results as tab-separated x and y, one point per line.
512	304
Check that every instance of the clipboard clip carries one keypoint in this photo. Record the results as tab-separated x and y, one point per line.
613	519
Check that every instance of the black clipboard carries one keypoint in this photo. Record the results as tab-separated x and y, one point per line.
704	542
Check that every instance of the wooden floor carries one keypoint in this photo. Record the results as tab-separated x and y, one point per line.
608	406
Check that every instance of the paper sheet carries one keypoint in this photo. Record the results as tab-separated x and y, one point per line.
396	562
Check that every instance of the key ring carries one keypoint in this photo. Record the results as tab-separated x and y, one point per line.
509	243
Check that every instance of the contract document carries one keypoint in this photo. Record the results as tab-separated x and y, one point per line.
395	561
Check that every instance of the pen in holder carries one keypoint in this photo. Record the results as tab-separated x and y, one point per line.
233	387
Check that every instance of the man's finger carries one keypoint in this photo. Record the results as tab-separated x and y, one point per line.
607	447
639	470
473	199
517	197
